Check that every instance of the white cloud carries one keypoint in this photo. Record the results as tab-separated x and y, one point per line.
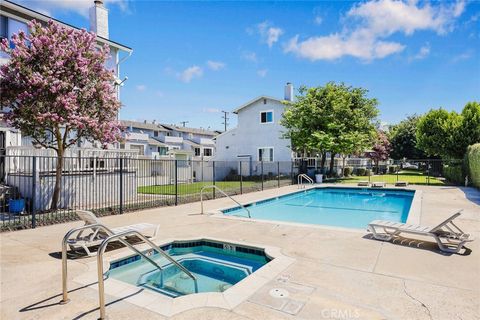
141	87
79	6
318	20
423	52
463	56
190	73
269	33
215	65
262	73
373	22
250	56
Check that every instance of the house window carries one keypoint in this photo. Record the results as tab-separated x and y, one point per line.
140	148
264	101
265	154
155	133
197	152
162	151
207	152
266	117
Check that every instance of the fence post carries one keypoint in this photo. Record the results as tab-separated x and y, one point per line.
428	172
291	172
34	189
278	174
121	186
213	177
261	166
241	177
176	182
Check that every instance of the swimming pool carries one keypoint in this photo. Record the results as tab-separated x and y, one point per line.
333	206
217	266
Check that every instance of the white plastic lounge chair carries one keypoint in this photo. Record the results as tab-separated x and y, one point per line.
363	183
401	184
378	184
449	237
98	235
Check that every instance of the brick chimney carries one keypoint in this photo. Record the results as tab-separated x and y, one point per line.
99	19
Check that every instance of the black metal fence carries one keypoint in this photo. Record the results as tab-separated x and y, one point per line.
116	185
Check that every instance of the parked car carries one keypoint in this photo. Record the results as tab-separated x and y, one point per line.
408	165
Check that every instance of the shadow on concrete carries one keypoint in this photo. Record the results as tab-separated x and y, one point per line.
81	254
420	244
41	304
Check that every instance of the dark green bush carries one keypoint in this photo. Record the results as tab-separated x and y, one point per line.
347	171
392	169
454	173
361	171
473	164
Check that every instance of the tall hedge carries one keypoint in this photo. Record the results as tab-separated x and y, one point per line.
473	164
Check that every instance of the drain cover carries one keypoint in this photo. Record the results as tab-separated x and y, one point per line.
279	293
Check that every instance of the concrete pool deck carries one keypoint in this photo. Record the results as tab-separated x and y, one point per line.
336	274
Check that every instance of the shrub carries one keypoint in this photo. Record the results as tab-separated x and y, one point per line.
361	171
473	164
368	172
347	171
392	169
453	173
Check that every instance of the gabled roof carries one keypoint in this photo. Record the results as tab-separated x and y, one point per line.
190	130
255	100
27	14
155	142
143	125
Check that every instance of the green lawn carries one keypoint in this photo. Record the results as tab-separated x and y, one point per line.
192	188
410	176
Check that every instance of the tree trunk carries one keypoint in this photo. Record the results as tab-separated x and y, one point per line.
322	165
58	180
343	166
332	161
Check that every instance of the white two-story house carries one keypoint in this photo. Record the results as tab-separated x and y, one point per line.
259	134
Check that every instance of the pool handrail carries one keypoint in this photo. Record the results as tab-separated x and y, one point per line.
306	177
212	186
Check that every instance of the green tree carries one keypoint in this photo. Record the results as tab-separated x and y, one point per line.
335	118
403	139
448	134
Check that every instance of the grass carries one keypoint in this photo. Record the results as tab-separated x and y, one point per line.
410	176
192	188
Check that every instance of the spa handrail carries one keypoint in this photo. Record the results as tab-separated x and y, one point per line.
222	192
101	250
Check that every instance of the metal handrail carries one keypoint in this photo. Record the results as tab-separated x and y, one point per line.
64	253
101	251
304	176
111	236
226	195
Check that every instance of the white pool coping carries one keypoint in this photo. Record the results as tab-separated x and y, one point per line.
168	306
414	213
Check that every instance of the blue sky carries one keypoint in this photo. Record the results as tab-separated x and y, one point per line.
193	59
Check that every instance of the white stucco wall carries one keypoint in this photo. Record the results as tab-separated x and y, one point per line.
250	134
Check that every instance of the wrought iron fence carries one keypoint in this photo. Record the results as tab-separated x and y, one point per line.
116	185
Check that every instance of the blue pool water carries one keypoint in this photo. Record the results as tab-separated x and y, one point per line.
217	267
340	207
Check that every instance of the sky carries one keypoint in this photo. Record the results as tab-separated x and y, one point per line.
192	60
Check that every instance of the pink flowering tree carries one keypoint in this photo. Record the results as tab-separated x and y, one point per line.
58	91
380	150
